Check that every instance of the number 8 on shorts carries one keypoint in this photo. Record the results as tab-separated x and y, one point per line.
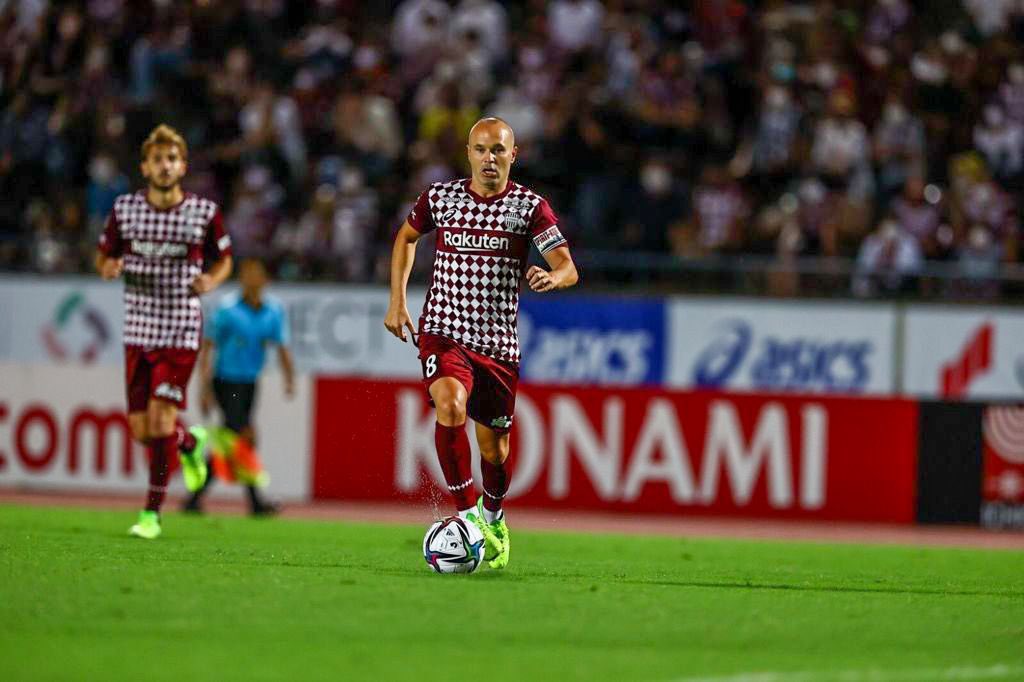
430	365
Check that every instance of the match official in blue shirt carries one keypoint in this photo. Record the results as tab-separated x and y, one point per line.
232	358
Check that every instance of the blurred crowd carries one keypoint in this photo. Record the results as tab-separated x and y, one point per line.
886	132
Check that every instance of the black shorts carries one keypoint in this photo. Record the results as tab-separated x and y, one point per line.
236	399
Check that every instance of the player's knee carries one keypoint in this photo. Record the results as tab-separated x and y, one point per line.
451	409
496	453
139	431
161	422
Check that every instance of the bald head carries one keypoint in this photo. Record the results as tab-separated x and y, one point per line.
491	151
493	126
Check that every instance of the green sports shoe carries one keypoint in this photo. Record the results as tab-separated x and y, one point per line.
193	462
492	546
148	526
500	532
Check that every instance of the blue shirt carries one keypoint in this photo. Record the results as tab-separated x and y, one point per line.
241	334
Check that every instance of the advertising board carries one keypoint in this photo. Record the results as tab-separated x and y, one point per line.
964	353
638	450
64	429
587	340
776	346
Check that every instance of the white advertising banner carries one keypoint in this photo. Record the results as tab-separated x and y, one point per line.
64	428
340	330
964	353
731	345
61	320
335	329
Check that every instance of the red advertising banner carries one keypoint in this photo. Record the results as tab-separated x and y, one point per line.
639	450
1002	487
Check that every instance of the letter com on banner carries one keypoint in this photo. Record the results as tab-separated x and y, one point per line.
638	450
967	353
586	340
770	346
64	428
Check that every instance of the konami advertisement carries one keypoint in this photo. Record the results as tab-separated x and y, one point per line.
638	450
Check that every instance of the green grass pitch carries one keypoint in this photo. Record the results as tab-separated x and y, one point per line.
224	598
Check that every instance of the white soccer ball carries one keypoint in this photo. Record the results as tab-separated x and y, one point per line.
453	545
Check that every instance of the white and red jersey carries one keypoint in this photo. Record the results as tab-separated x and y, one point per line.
482	245
163	251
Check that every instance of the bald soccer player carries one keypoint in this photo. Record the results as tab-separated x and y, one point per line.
468	344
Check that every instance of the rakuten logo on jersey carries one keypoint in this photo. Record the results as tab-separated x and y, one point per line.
468	242
148	249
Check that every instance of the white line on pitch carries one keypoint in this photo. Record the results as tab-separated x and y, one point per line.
992	672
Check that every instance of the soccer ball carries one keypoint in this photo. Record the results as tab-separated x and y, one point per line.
453	545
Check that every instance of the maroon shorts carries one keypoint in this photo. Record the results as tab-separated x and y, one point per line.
491	384
160	373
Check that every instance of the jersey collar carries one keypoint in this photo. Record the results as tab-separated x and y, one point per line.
488	200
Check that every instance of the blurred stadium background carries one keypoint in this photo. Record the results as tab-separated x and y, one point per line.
798	228
854	147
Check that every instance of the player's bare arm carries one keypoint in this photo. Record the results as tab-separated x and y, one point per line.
284	356
108	266
562	275
210	280
403	254
206	398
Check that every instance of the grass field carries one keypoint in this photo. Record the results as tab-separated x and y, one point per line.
223	598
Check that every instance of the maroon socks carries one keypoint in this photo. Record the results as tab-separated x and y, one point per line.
454	455
495	487
185	440
161	454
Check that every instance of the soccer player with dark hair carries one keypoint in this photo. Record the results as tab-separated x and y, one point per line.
468	344
171	247
230	363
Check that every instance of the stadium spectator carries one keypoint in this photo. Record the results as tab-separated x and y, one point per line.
918	212
575	25
887	258
719	212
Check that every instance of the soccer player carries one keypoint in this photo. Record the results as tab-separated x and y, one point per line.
242	327
468	344
171	247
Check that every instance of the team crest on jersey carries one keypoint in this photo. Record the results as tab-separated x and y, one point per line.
516	212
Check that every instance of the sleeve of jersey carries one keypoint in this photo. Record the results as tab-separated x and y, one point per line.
111	244
420	217
544	228
218	241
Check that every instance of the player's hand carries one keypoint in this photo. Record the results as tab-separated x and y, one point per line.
206	403
111	268
203	283
397	320
540	279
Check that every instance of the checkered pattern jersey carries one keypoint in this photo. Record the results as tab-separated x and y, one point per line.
482	246
163	251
